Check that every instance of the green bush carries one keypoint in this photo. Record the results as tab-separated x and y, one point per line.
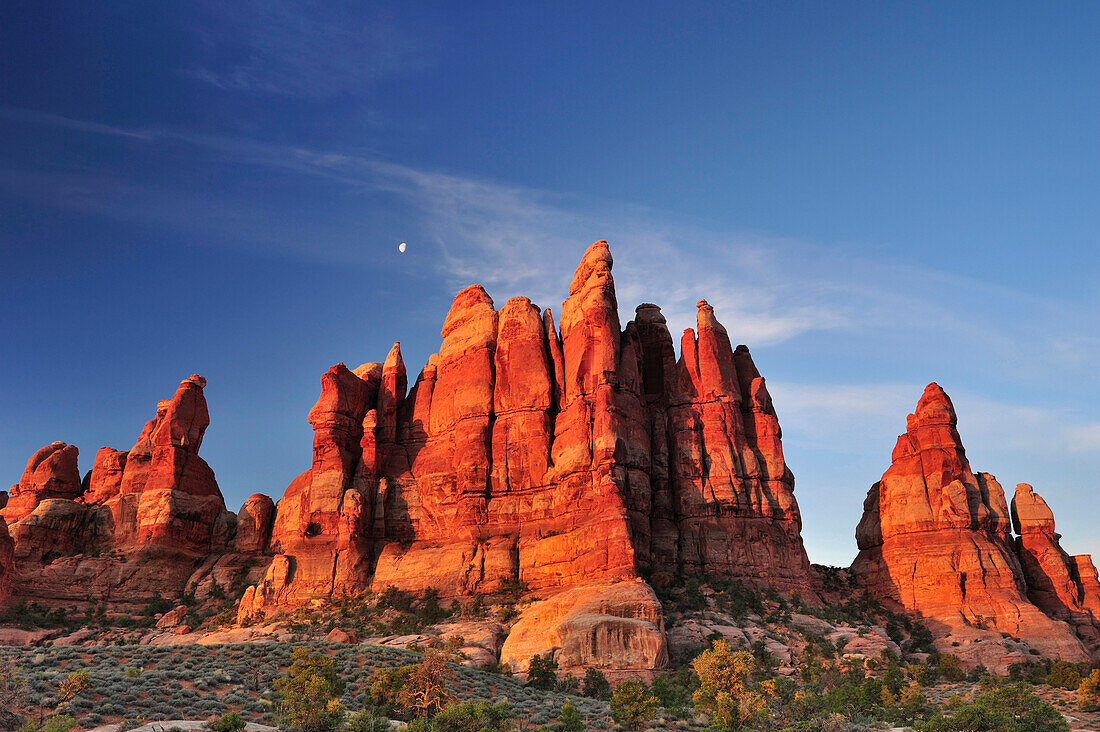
632	705
366	721
473	716
1064	675
231	722
1013	708
56	723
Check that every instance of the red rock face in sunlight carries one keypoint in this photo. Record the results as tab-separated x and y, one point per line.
582	464
51	473
156	508
1062	586
936	539
572	461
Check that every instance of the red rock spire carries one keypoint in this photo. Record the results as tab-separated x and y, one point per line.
935	538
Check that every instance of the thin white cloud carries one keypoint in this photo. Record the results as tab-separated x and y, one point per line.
1085	438
33	117
518	240
299	49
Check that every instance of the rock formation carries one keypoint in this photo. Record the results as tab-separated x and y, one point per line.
1062	586
139	525
571	463
6	553
51	473
935	538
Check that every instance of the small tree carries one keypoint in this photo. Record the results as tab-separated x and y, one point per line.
1088	693
427	689
12	696
72	685
596	685
724	691
541	672
386	685
309	694
632	705
571	719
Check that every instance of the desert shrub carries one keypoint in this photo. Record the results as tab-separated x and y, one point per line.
55	723
570	719
673	689
1013	708
920	639
473	716
893	678
949	668
632	705
230	722
1064	675
366	721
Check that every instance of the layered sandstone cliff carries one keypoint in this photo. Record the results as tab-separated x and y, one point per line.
936	539
573	462
137	527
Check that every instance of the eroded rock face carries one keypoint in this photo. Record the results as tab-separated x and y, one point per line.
254	522
1062	586
7	550
556	459
142	524
935	538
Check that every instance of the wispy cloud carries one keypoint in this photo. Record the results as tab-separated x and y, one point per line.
300	49
518	240
32	117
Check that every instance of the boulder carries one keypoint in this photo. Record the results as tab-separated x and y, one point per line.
615	627
173	617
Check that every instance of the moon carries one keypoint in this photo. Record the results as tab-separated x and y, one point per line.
401	247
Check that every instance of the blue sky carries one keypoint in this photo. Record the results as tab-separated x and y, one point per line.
872	195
